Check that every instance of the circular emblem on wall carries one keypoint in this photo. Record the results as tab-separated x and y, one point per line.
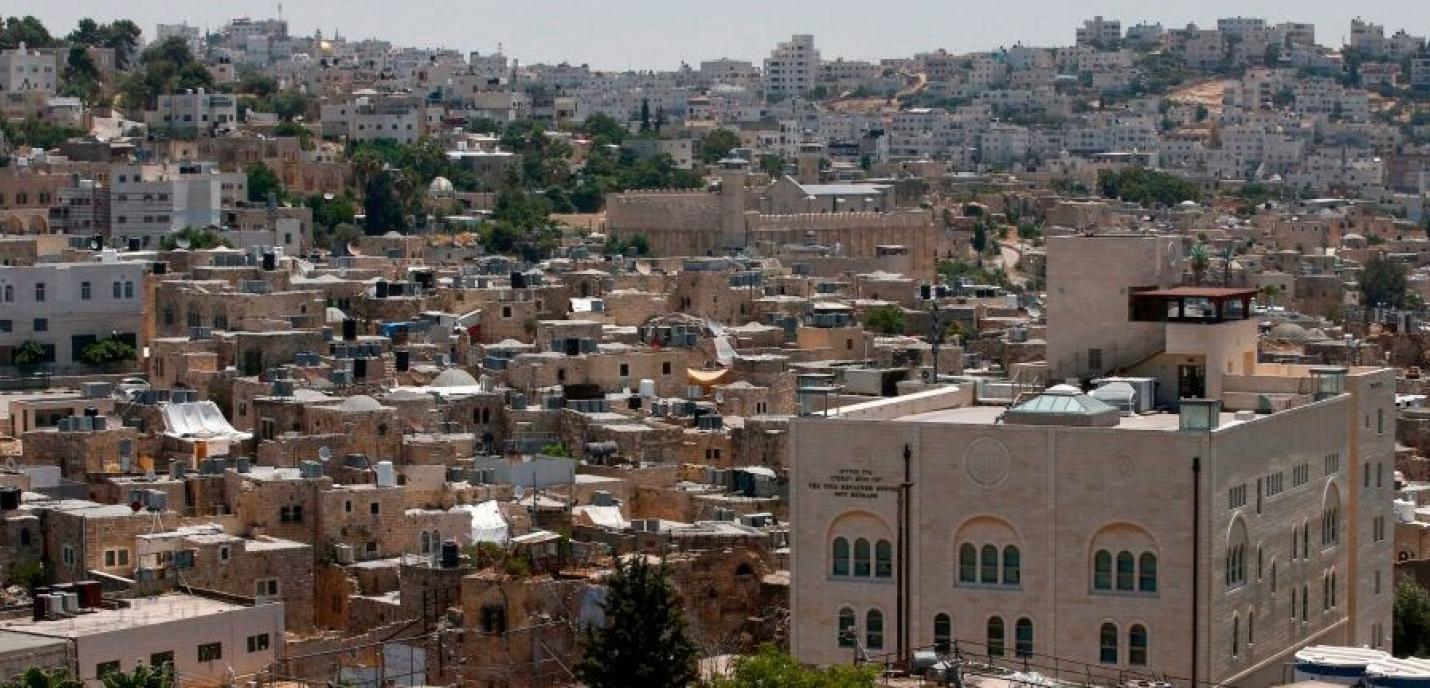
986	461
1123	465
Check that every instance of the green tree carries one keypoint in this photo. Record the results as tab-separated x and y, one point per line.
1411	634
198	239
37	677
37	133
885	320
382	206
121	36
643	642
1382	283
142	676
771	668
27	30
107	351
263	181
718	144
1201	259
603	129
1146	187
82	77
166	67
30	353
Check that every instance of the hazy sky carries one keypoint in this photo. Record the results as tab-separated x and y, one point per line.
618	34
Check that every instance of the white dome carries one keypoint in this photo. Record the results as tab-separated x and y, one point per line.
441	187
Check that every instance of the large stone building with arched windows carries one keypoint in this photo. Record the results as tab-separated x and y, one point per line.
1207	541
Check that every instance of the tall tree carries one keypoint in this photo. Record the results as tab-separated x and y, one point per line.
381	206
643	642
262	181
27	30
1382	283
1411	635
717	144
166	67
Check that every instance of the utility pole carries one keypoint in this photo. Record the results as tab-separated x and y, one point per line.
936	332
902	579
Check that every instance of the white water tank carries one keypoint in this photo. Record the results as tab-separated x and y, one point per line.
647	388
55	605
386	474
71	603
1405	510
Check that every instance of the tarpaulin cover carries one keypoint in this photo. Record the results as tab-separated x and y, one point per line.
200	420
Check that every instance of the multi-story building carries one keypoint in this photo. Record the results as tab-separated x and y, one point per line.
792	67
1062	532
191	35
81	209
150	201
1105	34
22	69
64	307
194	112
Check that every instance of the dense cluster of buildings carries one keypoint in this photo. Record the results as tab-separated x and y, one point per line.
902	380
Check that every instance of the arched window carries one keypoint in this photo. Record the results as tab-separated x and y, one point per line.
1273	574
1235	635
1023	637
1147	572
1012	565
1251	628
841	557
995	637
1126	570
883	559
426	542
861	558
1325	591
1305	602
988	568
942	632
967	563
847	630
1107	644
1102	570
1333	587
1137	645
874	630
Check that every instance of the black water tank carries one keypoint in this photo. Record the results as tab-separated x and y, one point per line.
359	369
91	411
160	267
349	329
9	498
518	280
926	291
451	555
403	359
270	262
382	289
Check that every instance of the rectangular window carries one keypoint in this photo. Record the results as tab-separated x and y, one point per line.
106	668
375	508
267	587
6	326
1236	497
42	324
210	652
258	643
159	659
39	291
84	291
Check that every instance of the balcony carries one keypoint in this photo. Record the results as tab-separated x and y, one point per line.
1204	305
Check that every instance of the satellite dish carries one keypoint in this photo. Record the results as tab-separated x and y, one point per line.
95	244
183	243
328	196
325	453
517	492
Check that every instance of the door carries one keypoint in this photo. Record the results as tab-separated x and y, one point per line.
1191	381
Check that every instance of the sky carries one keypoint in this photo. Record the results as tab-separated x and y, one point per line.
660	34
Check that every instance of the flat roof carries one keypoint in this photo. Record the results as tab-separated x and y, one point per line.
147	611
1201	292
989	415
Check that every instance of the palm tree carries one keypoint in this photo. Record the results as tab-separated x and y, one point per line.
1201	259
37	677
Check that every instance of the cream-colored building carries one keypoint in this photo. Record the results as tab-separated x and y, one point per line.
1205	542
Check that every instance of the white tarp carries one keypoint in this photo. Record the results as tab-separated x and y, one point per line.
488	524
608	517
200	420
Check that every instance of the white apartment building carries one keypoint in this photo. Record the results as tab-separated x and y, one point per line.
22	69
792	67
369	117
67	306
147	202
193	113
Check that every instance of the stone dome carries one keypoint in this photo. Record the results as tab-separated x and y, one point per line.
1290	332
441	187
454	377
